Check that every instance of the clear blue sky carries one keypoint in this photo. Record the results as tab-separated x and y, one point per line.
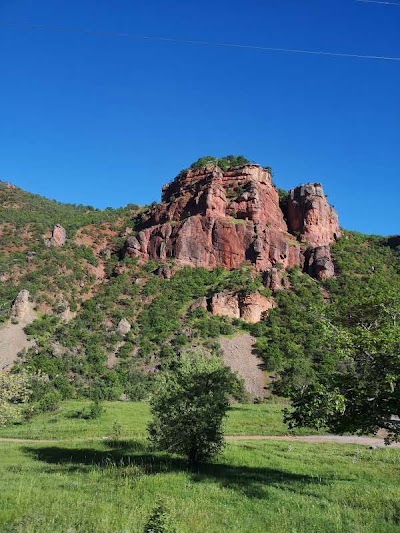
106	120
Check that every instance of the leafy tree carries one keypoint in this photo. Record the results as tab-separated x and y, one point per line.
15	392
363	393
189	405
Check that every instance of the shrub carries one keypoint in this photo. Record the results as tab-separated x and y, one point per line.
49	402
15	392
159	521
189	405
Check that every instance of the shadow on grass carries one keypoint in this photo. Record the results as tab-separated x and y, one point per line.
136	458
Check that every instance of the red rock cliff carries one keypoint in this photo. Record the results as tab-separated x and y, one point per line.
209	217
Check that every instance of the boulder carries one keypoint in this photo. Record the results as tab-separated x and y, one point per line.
225	304
253	307
123	327
22	308
58	237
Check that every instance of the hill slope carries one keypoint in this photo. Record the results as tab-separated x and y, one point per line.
83	289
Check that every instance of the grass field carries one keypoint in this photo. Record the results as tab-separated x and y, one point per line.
78	484
253	487
249	419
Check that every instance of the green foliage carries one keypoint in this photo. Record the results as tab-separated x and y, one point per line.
283	201
21	208
360	390
49	402
188	407
15	393
159	521
224	163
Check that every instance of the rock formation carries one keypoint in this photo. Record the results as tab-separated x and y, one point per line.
123	327
310	217
316	225
249	307
58	237
209	217
319	263
22	308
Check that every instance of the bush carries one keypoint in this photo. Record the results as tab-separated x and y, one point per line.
49	402
189	405
159	521
95	410
15	392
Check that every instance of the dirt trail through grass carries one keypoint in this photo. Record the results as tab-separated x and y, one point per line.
312	439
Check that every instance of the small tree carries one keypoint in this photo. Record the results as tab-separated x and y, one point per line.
15	391
189	405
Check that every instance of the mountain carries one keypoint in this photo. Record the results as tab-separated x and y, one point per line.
114	295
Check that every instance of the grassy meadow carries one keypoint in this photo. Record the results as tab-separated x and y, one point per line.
81	483
132	418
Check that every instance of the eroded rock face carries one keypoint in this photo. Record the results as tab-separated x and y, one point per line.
310	217
58	237
254	306
248	307
209	217
319	263
275	280
225	304
22	308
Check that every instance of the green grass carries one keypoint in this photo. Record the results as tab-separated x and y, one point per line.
252	487
261	419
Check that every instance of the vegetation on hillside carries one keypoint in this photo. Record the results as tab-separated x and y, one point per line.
303	341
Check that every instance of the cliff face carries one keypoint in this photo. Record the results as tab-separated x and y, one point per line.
209	217
311	217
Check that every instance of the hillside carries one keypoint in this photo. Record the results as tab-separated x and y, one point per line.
225	251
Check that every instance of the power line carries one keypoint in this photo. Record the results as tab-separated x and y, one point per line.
379	2
131	36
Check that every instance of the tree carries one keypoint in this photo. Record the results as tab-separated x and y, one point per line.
189	405
15	391
363	393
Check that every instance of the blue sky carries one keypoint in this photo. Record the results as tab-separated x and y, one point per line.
107	120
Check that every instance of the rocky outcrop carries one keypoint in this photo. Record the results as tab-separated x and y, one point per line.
248	307
275	279
310	217
163	272
22	308
319	263
253	307
225	304
211	217
58	237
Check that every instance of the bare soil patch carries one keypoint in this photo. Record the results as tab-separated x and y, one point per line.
238	354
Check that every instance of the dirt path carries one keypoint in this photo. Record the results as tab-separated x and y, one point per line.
317	439
312	439
238	354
